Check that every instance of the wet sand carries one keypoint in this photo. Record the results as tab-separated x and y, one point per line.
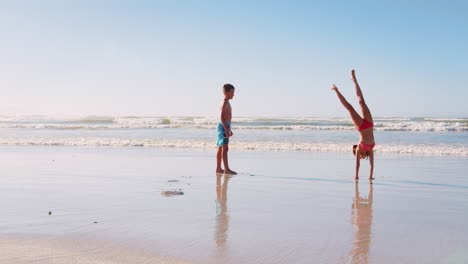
109	205
45	249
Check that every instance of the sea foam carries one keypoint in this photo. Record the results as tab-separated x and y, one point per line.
415	149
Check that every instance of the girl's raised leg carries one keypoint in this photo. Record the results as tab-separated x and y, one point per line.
357	120
366	114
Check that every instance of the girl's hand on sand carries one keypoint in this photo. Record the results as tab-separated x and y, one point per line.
334	88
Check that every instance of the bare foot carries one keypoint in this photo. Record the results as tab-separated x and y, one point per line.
334	88
219	170
371	178
230	172
356	178
353	75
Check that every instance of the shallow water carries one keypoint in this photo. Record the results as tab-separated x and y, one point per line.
283	207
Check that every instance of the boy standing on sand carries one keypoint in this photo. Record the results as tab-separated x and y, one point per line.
224	131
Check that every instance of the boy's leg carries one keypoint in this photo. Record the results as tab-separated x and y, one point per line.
227	170
219	156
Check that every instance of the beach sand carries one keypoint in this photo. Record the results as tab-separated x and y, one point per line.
152	205
44	249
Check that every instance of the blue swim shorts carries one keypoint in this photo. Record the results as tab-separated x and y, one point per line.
222	139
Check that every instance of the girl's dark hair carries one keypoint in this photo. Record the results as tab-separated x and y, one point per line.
354	151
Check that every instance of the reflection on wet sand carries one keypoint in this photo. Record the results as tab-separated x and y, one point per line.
222	216
362	220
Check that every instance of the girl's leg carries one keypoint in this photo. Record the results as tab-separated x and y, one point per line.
366	114
357	120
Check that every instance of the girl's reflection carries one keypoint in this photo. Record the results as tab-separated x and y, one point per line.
362	220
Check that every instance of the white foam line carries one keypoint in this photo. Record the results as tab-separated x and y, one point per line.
414	149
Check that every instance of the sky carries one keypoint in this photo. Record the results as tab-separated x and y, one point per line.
159	58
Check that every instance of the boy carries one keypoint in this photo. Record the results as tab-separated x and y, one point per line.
224	131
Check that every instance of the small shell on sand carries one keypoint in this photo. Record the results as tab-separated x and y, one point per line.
172	193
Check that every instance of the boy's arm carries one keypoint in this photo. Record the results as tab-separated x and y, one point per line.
223	119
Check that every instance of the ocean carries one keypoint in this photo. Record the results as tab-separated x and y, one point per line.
397	135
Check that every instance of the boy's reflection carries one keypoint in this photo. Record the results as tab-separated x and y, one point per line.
222	216
362	220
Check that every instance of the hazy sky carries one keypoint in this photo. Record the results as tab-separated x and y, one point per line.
172	57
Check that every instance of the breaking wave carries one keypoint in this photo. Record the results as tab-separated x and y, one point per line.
243	123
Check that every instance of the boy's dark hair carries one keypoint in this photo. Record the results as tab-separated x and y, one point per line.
354	151
228	87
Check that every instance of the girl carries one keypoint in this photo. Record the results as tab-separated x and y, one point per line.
364	125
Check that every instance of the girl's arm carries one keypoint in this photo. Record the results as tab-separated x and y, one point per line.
371	161
358	163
